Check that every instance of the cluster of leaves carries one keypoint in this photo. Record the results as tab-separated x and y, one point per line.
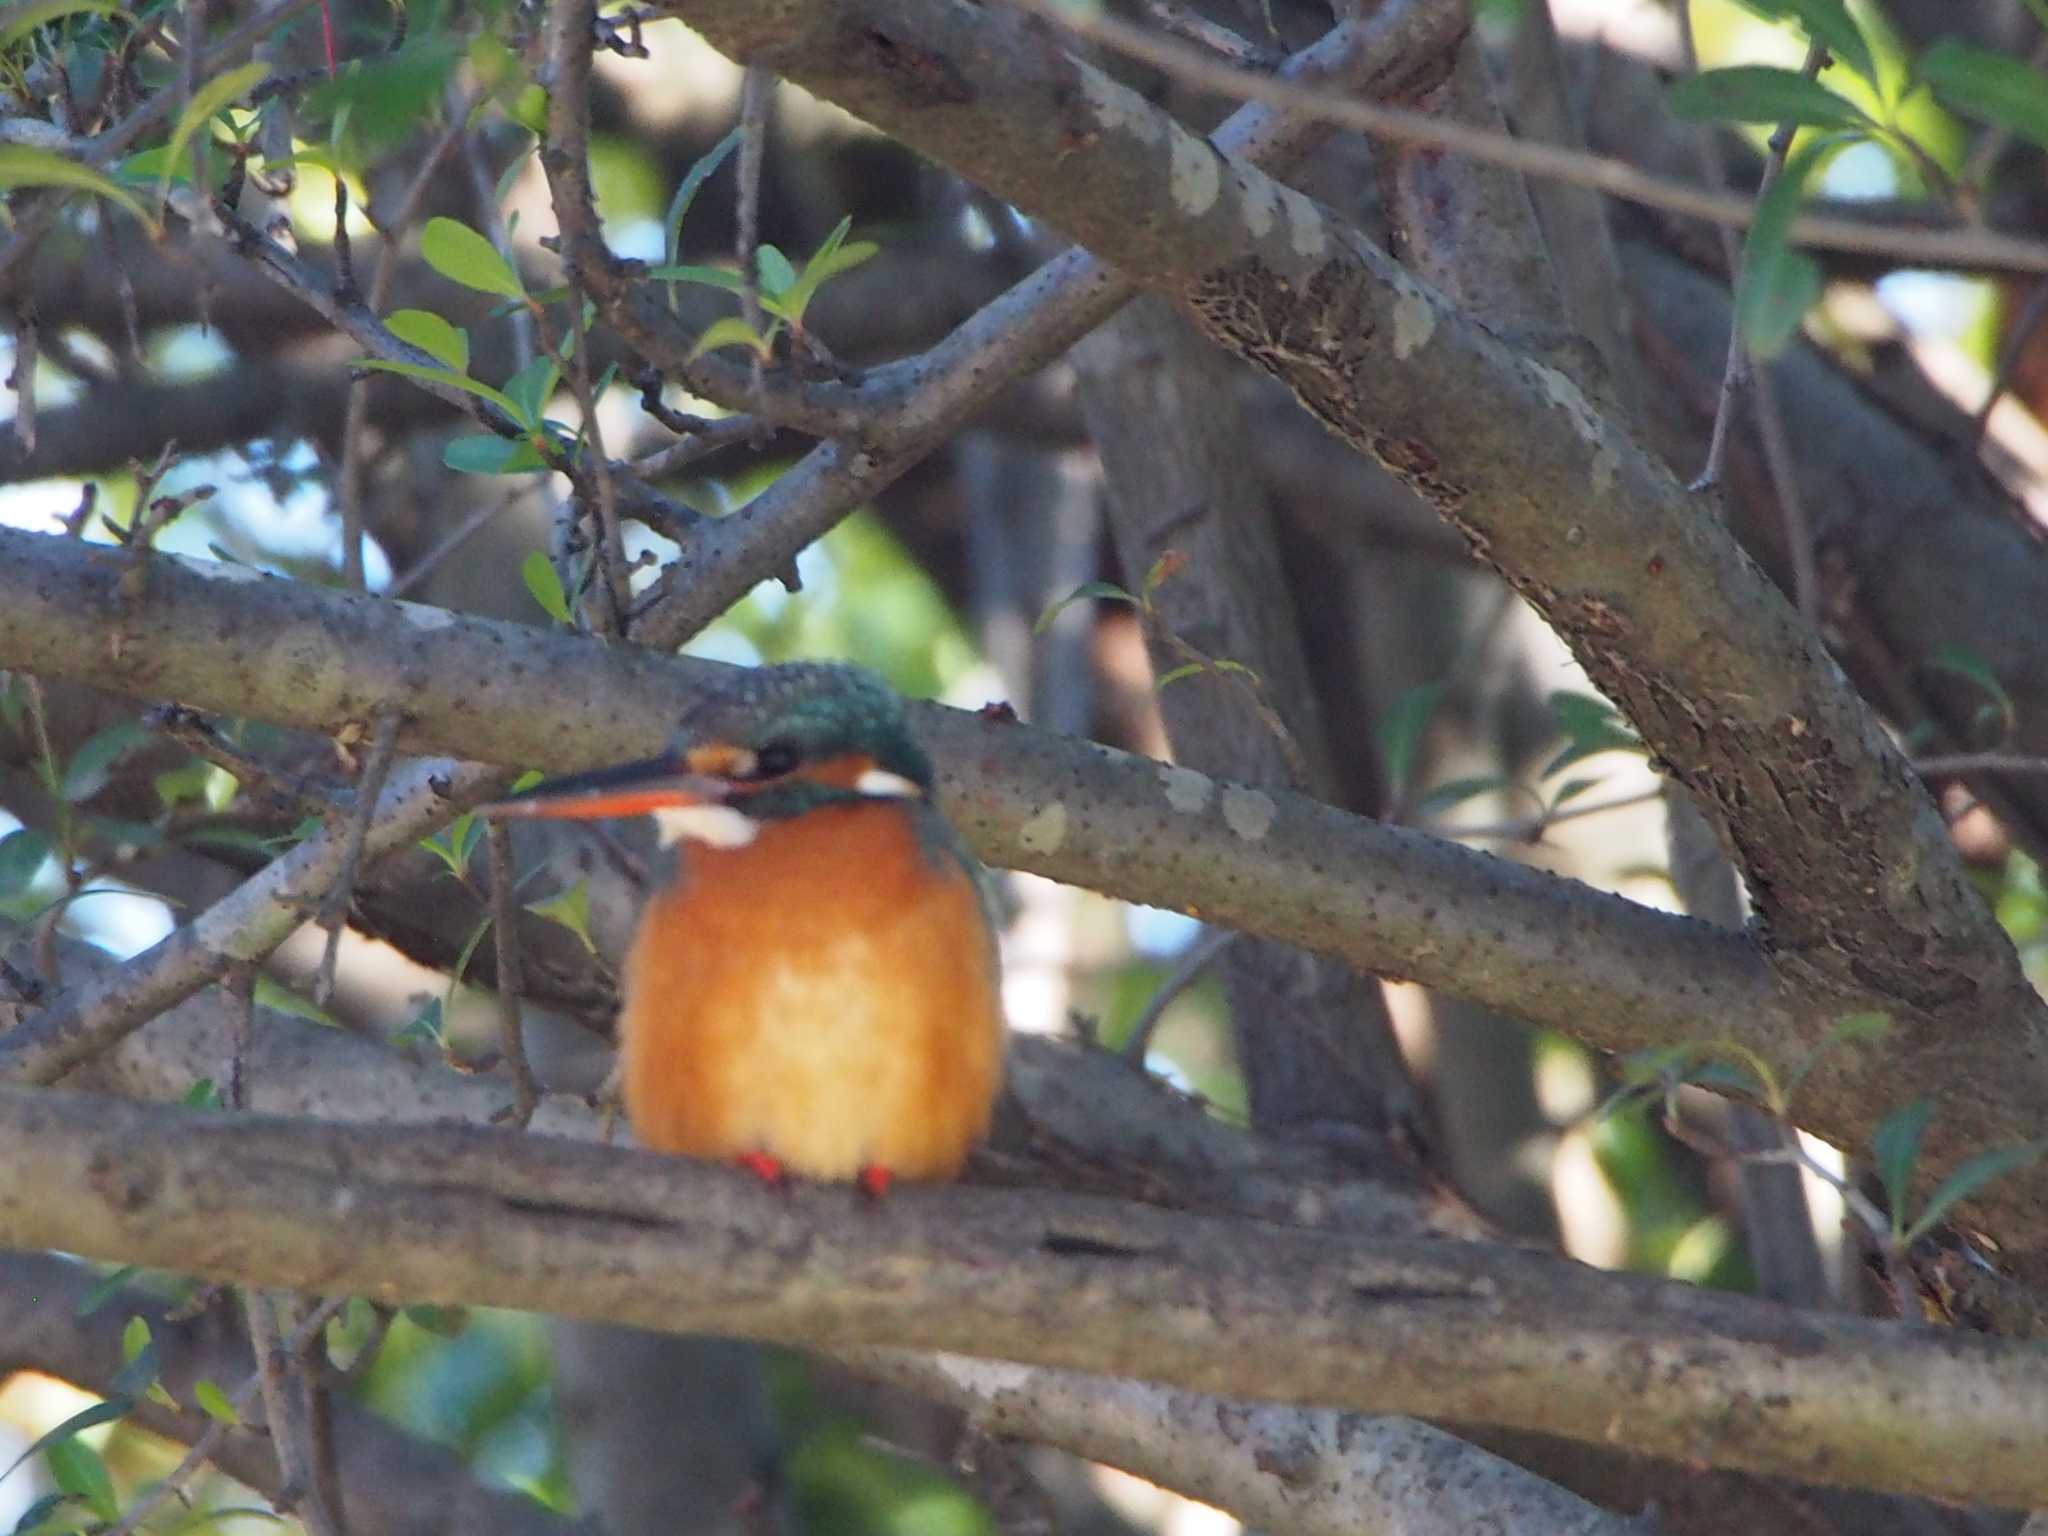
1734	1070
1589	725
535	441
1867	94
454	846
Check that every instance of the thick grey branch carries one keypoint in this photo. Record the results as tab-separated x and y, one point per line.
1438	1330
1389	900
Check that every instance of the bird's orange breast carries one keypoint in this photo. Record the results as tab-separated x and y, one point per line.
826	995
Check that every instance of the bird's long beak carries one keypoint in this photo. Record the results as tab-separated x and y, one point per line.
630	789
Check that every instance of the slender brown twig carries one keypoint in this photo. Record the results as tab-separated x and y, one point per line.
505	944
1967	249
369	785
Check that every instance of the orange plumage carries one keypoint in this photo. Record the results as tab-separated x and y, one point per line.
825	995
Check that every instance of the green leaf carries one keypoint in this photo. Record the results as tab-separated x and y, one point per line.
1107	591
135	1378
732	331
1894	1147
1756	93
134	1338
210	98
1457	792
486	453
545	583
710	277
530	387
1186	669
446	1322
463	256
22	852
455	843
570	908
86	1418
23	165
1401	729
1778	284
214	1403
1966	663
448	376
423	1028
25	18
96	1298
686	192
77	1468
831	258
1571	790
1826	22
1992	87
86	774
1973	1174
774	272
434	336
203	1094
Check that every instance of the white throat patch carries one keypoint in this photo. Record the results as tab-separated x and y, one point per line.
883	784
716	826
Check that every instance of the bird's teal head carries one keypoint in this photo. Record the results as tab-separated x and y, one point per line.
765	744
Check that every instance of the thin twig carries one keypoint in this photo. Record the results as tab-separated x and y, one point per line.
1968	249
208	1444
21	378
280	1412
701	441
461	534
369	785
1187	969
1980	762
594	475
505	942
756	90
306	793
326	1514
240	984
1736	375
2023	328
1531	828
1210	35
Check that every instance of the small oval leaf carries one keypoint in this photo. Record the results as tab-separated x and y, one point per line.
538	572
422	328
463	256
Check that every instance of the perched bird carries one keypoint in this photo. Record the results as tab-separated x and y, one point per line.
815	991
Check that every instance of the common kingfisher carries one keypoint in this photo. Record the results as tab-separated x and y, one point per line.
815	992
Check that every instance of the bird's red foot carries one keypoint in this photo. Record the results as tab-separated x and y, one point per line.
767	1169
875	1181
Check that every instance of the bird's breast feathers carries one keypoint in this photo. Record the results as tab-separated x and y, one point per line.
824	993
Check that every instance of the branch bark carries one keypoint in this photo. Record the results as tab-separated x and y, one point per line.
1449	1331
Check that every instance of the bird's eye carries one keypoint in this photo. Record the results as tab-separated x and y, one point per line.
774	760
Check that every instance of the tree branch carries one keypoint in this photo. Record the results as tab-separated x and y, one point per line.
1306	1471
1448	1331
